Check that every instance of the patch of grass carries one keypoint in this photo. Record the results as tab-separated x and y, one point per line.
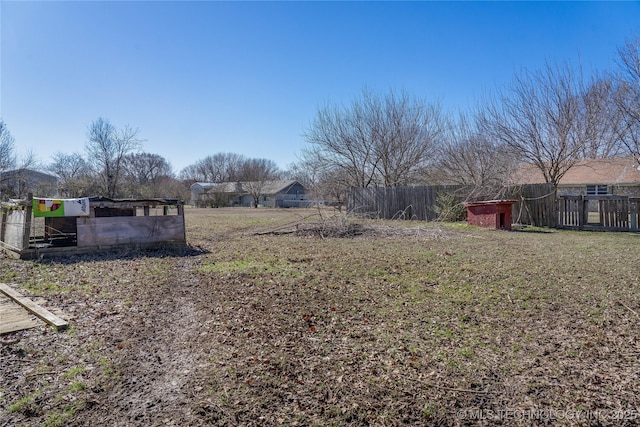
73	372
25	405
43	288
109	371
77	386
8	276
58	418
465	352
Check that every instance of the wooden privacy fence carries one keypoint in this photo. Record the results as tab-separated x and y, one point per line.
411	203
611	212
536	202
536	205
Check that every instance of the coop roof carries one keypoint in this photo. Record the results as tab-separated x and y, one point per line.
98	200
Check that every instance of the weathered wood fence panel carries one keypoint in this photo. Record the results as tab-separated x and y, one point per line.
411	203
535	204
612	212
572	211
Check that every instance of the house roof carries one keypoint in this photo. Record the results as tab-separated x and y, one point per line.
274	187
30	174
202	186
615	170
268	187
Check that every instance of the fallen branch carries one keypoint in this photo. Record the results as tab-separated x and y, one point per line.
35	374
630	309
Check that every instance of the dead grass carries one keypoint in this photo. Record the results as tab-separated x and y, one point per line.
278	317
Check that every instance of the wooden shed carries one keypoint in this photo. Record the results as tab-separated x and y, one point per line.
48	227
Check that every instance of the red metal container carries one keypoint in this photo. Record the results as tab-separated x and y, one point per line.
490	214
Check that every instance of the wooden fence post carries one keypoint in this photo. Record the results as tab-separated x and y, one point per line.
26	235
583	216
3	222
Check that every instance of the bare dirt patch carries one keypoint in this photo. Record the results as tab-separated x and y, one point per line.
268	321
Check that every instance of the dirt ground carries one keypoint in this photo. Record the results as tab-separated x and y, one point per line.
283	317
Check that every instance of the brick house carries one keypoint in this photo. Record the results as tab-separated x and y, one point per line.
609	176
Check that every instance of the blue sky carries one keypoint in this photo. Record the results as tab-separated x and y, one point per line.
199	78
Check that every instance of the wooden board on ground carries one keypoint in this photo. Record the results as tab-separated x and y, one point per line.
14	317
34	308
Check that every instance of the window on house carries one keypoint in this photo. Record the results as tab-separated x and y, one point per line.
597	190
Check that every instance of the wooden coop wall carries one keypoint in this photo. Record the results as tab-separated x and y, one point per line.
103	231
12	229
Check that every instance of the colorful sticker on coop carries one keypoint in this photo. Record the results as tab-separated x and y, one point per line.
60	207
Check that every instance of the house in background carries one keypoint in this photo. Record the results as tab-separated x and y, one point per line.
274	194
591	177
19	183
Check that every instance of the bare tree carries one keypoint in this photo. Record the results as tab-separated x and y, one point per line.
7	148
191	174
144	172
342	139
377	140
469	157
629	61
106	148
628	94
537	116
221	167
601	124
407	137
333	186
74	175
256	173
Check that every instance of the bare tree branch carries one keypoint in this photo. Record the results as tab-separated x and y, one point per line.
107	147
537	116
471	158
74	174
7	148
628	95
377	140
